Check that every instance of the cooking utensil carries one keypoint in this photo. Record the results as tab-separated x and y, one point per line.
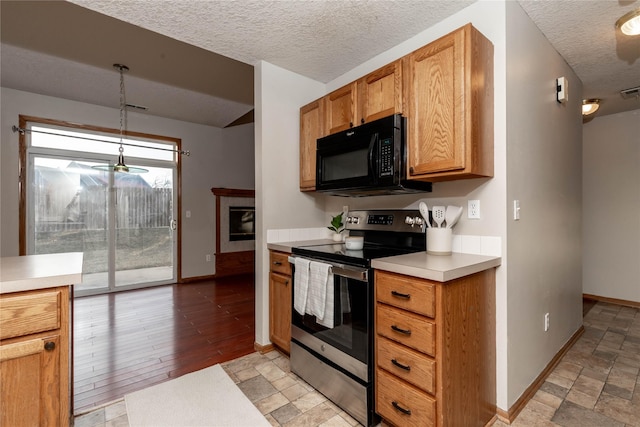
453	215
438	213
424	211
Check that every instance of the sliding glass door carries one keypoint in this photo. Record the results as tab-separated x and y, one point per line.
124	223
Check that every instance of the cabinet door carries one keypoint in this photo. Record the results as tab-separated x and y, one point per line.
341	108
436	110
30	392
280	310
311	128
380	93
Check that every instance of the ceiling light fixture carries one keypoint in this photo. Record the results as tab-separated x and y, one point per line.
121	166
590	106
629	23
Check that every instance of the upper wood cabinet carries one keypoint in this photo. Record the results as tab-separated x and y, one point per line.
450	108
341	108
380	93
312	127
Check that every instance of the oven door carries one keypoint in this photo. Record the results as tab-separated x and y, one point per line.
348	343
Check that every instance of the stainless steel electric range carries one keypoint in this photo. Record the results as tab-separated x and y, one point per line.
338	360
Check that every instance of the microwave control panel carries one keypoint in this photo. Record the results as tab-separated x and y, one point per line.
386	157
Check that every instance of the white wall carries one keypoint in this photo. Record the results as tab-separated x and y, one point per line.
279	94
544	172
611	206
219	158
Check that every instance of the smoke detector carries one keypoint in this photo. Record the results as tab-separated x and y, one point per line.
633	92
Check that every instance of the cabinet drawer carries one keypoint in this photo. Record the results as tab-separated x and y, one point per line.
411	366
279	263
28	313
405	292
402	404
406	328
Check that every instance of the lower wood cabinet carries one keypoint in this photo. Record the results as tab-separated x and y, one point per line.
280	300
35	366
435	350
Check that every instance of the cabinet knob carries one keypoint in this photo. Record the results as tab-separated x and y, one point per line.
50	346
362	120
411	170
350	124
286	283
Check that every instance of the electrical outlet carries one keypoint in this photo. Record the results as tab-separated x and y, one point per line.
207	257
473	209
546	322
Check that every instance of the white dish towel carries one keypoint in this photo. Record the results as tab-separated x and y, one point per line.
321	299
301	285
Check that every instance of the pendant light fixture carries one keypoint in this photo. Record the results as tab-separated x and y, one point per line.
121	166
629	23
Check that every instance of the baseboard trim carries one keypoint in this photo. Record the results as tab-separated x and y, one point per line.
509	416
262	349
626	303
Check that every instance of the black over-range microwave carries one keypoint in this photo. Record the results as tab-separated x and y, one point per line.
367	160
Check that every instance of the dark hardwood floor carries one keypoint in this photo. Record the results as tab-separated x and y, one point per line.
130	340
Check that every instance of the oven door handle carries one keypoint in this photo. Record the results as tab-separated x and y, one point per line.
348	271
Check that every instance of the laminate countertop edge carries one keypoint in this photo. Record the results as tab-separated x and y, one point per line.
441	268
30	272
287	246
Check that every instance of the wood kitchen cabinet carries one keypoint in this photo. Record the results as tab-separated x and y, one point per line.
35	358
341	108
312	127
435	350
280	300
380	93
450	108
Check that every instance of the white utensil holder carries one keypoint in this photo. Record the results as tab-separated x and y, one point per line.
439	241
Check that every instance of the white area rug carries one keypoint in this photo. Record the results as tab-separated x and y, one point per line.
204	398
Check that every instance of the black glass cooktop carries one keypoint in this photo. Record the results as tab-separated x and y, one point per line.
339	253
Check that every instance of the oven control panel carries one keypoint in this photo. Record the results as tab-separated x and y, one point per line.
385	220
380	219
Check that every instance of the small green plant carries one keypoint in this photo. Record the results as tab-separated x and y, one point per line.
337	224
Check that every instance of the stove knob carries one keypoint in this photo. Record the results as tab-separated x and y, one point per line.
418	220
409	221
349	220
356	220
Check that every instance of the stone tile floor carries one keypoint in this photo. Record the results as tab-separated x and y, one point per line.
596	383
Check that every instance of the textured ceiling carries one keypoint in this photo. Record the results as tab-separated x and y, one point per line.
583	32
66	49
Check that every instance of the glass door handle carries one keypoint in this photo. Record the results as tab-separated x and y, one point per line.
173	224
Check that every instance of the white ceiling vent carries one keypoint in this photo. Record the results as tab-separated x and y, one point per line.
633	92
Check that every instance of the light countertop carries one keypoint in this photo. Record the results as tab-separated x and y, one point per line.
441	268
286	246
24	273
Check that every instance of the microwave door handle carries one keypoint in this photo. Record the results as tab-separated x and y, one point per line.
372	146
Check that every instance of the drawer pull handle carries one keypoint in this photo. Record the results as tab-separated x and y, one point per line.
400	330
50	346
400	295
277	263
400	408
400	365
